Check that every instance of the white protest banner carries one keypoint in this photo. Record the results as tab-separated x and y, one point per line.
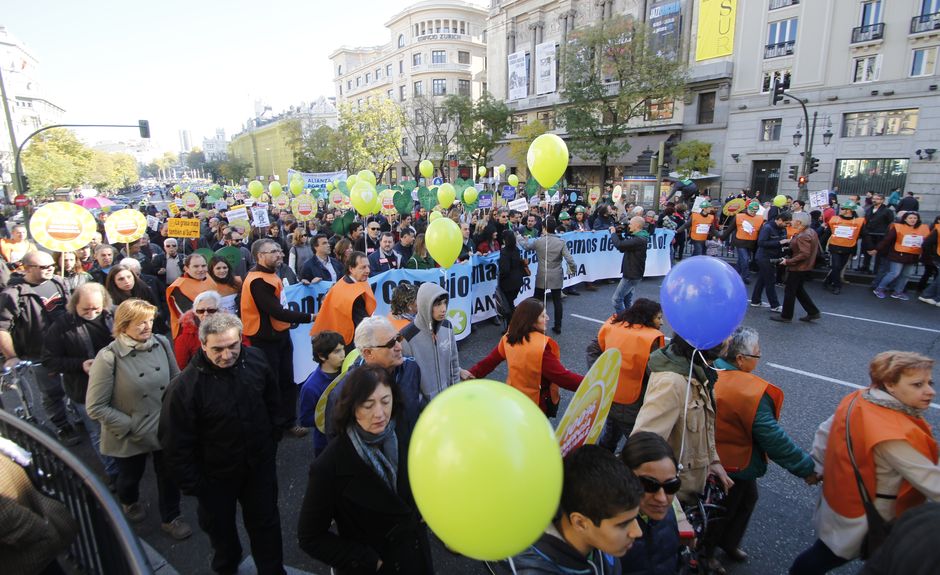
545	70
519	204
819	199
153	223
259	218
518	78
237	213
316	180
221	205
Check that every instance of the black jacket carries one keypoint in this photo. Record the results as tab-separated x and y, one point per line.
217	424
768	241
657	552
511	274
67	345
377	266
25	318
877	223
314	268
633	247
552	555
372	523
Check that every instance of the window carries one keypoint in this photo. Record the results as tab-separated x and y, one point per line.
419	88
871	13
339	70
368	77
401	40
401	66
404	146
659	110
358	81
781	32
769	78
881	175
359	103
419	143
867	69
348	85
547	117
401	93
706	108
924	62
463	87
439	86
340	89
880	123
463	27
770	129
416	59
463	57
388	94
378	73
438	57
388	70
929	7
518	122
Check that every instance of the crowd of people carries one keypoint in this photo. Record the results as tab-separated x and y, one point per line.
163	352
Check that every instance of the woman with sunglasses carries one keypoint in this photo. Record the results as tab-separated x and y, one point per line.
653	462
747	434
186	342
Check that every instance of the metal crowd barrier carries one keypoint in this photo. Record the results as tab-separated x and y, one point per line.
105	543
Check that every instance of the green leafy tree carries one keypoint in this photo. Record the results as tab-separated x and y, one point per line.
373	132
519	147
196	159
234	170
479	125
692	156
611	79
55	159
322	150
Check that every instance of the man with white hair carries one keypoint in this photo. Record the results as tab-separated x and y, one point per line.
379	345
804	246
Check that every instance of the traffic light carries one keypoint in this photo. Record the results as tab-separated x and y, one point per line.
813	165
794	172
654	163
25	185
802	181
776	94
144	126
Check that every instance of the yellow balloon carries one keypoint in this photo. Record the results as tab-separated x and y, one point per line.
296	187
780	200
446	195
362	196
434	215
513	180
494	441
377	204
444	240
547	159
367	176
470	195
255	188
351	182
482	171
330	186
426	168
501	168
350	358
275	189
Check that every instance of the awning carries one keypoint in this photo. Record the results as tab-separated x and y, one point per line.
694	176
638	146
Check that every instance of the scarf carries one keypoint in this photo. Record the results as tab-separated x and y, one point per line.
136	345
892	403
379	451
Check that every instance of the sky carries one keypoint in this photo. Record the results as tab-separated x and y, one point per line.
196	65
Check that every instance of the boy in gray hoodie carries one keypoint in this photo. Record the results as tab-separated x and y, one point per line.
430	340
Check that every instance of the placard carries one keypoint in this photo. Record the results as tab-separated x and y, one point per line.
518	76
819	199
486	201
125	226
62	226
259	217
239	212
304	207
183	228
520	205
584	419
153	223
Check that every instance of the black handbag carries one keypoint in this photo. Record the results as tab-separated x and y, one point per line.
878	528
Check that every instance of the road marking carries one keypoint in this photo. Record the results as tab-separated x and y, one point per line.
882	322
825	378
586	318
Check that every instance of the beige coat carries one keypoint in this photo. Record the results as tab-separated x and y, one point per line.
663	414
125	394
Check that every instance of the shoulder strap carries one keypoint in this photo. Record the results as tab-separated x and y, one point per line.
866	499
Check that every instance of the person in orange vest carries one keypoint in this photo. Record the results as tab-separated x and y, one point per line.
267	323
931	294
533	359
636	333
745	226
349	301
184	289
893	452
701	226
845	230
748	434
903	245
404	305
12	250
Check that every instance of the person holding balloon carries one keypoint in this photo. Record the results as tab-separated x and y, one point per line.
329	350
533	359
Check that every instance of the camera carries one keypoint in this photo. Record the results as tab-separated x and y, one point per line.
776	261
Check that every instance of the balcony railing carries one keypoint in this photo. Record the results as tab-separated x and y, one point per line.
868	33
925	23
779	49
775	4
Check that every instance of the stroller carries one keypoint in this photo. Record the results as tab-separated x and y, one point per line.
705	515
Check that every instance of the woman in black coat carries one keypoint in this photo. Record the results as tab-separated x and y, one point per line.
511	272
360	481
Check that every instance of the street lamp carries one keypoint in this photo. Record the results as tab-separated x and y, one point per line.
808	165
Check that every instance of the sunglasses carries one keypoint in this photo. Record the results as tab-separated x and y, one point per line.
670	487
207	310
391	343
45	267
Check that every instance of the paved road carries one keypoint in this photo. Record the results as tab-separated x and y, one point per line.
813	364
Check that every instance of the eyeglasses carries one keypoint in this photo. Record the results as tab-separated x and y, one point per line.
207	310
371	229
45	267
670	487
391	343
272	252
752	356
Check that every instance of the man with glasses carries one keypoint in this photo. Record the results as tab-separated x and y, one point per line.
267	325
233	239
169	265
384	259
28	307
349	301
373	237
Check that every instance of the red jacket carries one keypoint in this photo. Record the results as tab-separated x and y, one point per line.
186	343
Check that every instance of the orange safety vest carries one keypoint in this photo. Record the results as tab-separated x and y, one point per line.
791	231
871	424
524	360
13	252
737	396
845	233
910	240
190	288
398	323
251	316
701	227
747	226
634	343
336	308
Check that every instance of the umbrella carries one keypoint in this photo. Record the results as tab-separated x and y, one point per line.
93	203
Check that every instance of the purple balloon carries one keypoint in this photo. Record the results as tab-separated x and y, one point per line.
704	300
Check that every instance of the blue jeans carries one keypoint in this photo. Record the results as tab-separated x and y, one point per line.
933	290
897	276
766	275
837	263
744	263
94	434
698	248
816	560
623	295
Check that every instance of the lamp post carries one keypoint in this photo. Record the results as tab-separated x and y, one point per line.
808	165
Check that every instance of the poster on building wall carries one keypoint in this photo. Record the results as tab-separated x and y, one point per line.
665	20
518	79
545	57
715	36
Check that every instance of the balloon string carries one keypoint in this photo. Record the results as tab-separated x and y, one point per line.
685	409
512	566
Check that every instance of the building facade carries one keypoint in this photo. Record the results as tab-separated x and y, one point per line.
216	148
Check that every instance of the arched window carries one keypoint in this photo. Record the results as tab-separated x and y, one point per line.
401	40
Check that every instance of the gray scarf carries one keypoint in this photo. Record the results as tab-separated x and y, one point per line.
379	451
894	404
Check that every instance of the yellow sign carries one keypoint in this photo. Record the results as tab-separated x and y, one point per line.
584	419
282	202
388	202
191	202
594	195
337	198
62	226
183	228
174	209
125	226
715	36
304	207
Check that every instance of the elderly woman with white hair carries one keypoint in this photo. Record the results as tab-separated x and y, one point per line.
186	343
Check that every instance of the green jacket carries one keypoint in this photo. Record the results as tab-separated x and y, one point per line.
771	440
418	263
